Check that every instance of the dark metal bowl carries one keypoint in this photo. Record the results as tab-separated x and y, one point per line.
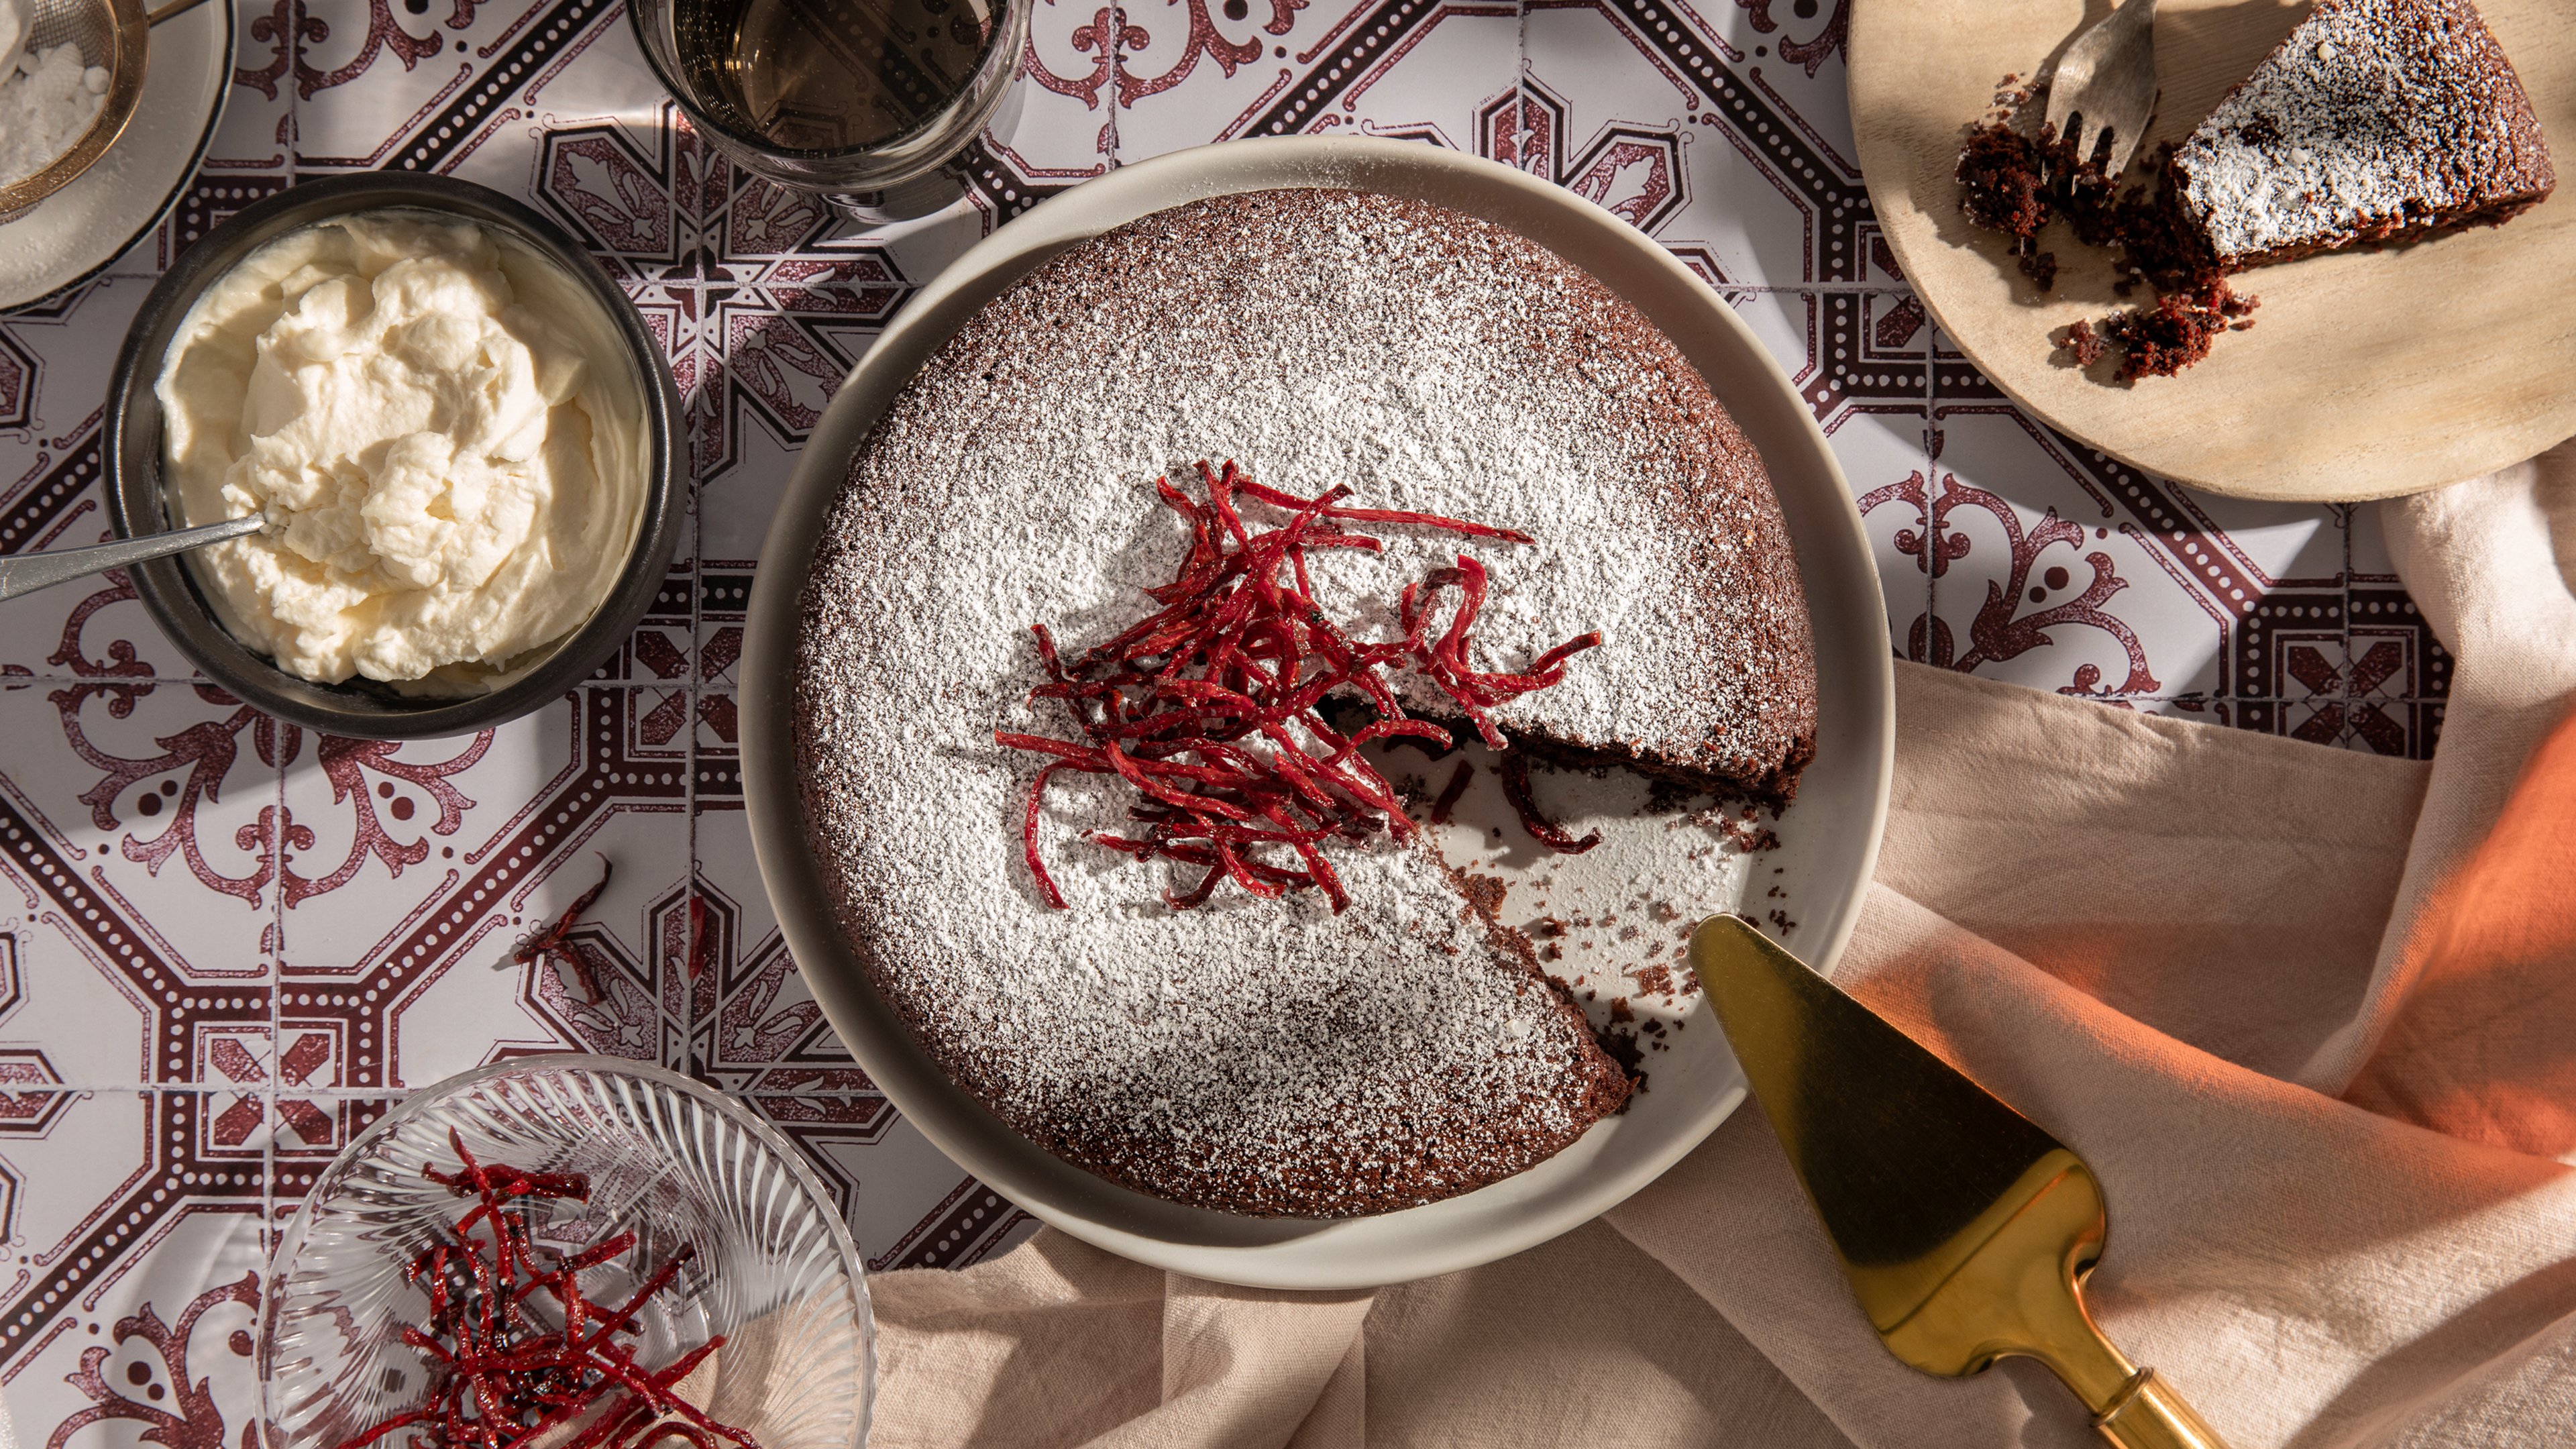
362	707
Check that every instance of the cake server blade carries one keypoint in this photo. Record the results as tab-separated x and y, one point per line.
1964	1228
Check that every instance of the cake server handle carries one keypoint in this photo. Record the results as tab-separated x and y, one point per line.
27	572
2132	1407
2153	1416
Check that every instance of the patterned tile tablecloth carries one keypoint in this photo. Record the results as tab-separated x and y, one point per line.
226	944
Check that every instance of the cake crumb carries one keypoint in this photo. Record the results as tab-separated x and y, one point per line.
2162	340
2088	346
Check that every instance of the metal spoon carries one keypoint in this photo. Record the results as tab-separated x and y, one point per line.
27	572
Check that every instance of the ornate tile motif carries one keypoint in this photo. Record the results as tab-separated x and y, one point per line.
467	847
1883	455
1647	118
1066	129
2025	579
135	1243
145	816
760	306
2053	565
227	944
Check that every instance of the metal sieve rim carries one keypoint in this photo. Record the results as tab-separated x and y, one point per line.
129	46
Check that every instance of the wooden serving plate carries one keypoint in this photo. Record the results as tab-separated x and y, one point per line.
2366	374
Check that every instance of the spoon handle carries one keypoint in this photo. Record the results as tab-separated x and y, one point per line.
27	572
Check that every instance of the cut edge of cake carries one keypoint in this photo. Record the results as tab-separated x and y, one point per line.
2374	122
2448	140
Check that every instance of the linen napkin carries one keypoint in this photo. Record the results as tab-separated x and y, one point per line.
2310	1014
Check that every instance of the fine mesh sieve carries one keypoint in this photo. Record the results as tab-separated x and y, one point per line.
114	35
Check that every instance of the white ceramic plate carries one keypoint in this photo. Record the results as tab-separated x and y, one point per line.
76	231
1828	841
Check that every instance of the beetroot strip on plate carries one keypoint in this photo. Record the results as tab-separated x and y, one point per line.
1516	789
1450	793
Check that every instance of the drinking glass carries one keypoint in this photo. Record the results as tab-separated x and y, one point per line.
867	102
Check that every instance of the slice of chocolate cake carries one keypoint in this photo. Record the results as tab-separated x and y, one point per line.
1271	1056
2375	121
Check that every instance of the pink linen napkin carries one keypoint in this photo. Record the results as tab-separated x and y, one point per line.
2310	1014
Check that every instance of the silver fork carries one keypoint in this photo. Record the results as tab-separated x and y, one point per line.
24	573
2106	83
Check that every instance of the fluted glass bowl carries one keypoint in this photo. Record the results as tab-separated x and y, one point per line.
674	1162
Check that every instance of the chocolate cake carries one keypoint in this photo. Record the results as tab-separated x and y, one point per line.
2374	121
1261	1056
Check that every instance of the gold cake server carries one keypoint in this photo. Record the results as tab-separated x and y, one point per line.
1966	1231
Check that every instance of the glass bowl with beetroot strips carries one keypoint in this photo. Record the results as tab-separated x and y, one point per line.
567	1252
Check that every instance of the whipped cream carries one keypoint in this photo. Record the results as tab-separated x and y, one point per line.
442	430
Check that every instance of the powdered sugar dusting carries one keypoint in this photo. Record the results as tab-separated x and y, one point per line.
2374	118
1267	1056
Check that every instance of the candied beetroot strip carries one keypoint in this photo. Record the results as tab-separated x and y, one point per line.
1516	789
499	1375
1451	792
1209	706
555	940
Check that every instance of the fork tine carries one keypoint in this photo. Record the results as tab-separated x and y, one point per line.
2102	90
2124	148
2079	132
2091	140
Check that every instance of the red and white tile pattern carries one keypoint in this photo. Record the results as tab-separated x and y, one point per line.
226	944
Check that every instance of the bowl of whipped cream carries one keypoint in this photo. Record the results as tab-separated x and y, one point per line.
464	442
